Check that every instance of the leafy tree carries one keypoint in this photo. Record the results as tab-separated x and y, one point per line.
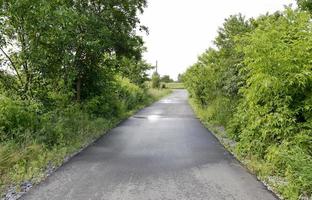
305	5
155	80
69	70
217	76
228	60
66	44
257	83
135	70
180	78
279	79
276	105
166	79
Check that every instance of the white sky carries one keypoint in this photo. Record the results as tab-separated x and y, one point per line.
180	30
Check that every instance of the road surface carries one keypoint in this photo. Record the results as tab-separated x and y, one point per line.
163	152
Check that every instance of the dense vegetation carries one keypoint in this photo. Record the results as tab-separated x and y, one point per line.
257	83
70	70
166	79
155	81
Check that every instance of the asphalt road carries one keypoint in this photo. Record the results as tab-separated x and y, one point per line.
163	152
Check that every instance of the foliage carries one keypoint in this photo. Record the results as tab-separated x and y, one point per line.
17	118
130	95
215	79
305	5
166	79
69	70
258	84
279	81
136	71
72	46
155	80
27	150
180	78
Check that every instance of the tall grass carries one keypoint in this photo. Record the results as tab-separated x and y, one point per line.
33	141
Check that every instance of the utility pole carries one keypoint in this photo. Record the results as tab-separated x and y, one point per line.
157	66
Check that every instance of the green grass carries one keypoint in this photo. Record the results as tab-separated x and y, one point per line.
157	94
175	85
30	160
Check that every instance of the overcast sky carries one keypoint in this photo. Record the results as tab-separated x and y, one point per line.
180	30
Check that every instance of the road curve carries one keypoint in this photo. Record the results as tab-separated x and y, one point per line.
161	153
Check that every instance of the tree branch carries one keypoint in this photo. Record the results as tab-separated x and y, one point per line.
13	65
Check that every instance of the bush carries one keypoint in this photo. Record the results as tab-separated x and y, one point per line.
279	83
130	94
155	80
18	119
258	84
106	105
293	163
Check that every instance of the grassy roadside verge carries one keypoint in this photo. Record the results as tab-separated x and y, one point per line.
258	167
20	168
174	85
218	131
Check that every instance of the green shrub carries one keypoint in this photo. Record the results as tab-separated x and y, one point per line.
130	94
17	119
273	106
155	80
258	85
293	163
220	110
103	106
